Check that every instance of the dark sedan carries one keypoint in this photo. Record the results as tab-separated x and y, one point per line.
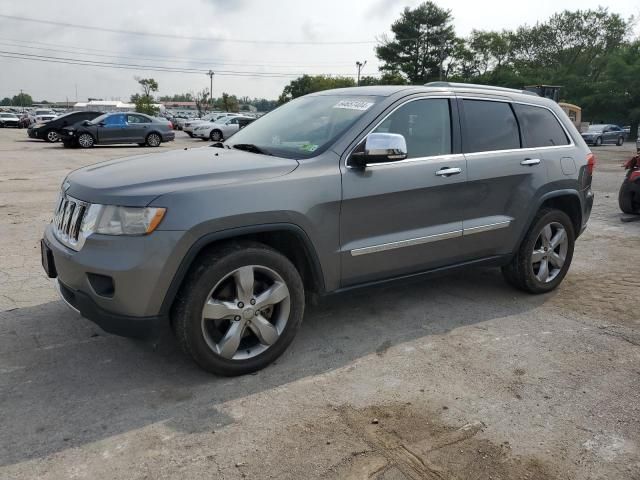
600	134
50	131
116	127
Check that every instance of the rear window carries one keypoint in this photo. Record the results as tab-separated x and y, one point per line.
489	126
540	127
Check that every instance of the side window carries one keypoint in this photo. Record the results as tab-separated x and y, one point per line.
489	126
425	125
133	119
540	127
114	120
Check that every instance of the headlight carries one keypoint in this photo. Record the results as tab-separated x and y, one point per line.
114	220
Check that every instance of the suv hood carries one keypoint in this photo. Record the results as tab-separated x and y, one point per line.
136	181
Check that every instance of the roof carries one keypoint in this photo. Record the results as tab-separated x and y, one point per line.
388	90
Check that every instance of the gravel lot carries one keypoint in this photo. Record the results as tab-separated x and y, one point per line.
456	378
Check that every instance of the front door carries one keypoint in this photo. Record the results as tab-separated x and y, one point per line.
113	129
403	217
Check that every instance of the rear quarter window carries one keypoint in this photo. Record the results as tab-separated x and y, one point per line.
489	126
540	127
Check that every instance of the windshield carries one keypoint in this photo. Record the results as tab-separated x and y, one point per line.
595	128
306	126
7	115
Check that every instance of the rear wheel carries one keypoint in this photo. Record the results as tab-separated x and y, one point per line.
239	309
51	136
153	140
628	200
544	257
85	140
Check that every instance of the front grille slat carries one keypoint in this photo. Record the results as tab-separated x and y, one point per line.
67	221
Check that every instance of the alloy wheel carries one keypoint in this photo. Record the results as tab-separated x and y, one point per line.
216	136
246	312
85	140
153	140
549	252
52	136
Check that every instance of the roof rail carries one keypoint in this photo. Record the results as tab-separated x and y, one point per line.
478	87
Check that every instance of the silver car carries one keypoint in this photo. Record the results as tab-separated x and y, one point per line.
222	128
332	191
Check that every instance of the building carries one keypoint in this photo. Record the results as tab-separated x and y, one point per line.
109	106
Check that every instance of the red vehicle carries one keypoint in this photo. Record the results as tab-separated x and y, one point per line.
629	196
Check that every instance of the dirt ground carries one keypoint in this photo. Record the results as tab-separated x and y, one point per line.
460	377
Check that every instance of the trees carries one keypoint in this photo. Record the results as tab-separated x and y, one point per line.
145	102
202	101
22	100
313	83
178	97
228	103
424	39
6	101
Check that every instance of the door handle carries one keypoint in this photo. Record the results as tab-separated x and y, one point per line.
446	171
530	162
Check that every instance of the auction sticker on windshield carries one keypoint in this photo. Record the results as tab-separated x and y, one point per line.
353	105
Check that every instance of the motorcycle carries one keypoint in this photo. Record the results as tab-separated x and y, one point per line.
629	195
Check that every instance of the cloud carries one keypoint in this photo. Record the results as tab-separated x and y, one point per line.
382	8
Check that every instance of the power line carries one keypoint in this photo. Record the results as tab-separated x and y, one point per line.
187	62
94	28
157	68
32	44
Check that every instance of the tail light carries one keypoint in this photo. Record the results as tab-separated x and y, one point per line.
591	163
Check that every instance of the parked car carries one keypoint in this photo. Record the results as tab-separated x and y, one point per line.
44	115
629	193
600	134
26	120
50	131
9	120
116	127
334	190
190	125
222	128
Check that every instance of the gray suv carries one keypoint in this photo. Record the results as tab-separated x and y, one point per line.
332	191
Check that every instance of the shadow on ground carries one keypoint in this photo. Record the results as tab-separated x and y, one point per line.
64	383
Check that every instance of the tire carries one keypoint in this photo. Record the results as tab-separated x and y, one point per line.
153	140
51	136
598	141
214	276
620	141
190	134
530	277
215	136
627	199
86	140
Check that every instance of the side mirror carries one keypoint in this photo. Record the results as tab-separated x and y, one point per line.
379	148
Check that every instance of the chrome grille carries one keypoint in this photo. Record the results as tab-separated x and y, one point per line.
68	220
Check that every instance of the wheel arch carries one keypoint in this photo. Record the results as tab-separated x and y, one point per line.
288	239
566	200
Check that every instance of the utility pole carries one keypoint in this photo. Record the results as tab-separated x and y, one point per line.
21	101
211	73
360	65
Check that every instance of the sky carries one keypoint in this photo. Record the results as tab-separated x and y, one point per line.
254	47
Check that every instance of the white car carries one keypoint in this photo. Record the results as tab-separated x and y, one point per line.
190	125
222	129
44	115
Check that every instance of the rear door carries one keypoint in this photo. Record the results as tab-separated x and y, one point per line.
509	147
137	128
406	216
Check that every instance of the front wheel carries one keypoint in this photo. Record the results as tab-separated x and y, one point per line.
545	254
598	141
620	141
215	136
628	200
85	140
239	308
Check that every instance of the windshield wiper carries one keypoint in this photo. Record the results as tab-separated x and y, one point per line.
219	145
250	147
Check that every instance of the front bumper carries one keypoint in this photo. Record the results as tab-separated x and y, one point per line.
141	269
32	132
